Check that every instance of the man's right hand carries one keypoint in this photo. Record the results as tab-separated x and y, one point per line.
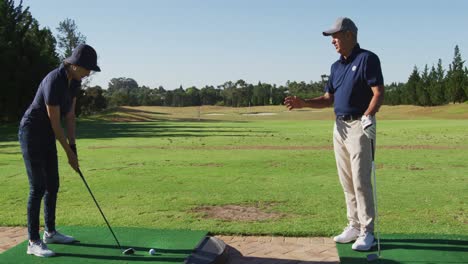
73	160
292	102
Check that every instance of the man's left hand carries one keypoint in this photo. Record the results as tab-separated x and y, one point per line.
368	126
73	148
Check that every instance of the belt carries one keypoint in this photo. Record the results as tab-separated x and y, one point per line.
348	117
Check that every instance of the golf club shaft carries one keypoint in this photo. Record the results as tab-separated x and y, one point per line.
375	199
103	216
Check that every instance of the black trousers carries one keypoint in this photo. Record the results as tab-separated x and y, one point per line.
40	158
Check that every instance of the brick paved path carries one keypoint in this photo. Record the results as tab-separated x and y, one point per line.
280	250
11	236
241	249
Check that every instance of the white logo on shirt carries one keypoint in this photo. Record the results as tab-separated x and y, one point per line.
354	68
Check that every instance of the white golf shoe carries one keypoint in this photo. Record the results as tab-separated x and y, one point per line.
349	234
38	248
364	242
57	238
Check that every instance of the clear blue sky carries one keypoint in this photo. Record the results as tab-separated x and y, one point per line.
208	42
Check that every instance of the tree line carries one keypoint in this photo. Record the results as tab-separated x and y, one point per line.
429	87
28	53
125	91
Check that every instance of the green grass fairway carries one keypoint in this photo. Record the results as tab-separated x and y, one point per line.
160	167
98	246
412	249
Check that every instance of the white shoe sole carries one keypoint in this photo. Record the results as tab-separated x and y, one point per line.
368	249
344	241
39	255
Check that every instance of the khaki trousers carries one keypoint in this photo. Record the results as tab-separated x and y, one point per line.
354	162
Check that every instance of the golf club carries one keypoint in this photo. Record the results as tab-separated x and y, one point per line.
128	251
372	257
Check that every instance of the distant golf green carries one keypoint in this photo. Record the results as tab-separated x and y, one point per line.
97	246
160	167
406	249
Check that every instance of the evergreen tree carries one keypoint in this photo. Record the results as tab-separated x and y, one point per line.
466	82
437	85
422	88
393	94
456	79
409	95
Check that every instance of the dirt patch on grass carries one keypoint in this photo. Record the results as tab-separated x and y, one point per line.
212	164
259	114
421	147
414	168
234	212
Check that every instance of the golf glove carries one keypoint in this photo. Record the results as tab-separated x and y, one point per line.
368	126
73	148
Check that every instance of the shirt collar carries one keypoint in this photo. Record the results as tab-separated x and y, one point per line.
62	70
354	52
63	74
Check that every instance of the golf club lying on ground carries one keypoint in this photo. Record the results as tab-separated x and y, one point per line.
372	257
128	251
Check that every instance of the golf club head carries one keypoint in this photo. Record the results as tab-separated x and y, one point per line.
372	257
129	251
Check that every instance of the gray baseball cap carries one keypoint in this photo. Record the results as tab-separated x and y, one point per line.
341	24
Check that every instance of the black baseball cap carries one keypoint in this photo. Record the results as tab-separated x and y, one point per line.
85	56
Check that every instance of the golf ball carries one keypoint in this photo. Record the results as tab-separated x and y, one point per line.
152	251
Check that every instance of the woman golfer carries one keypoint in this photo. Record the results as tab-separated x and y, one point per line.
39	128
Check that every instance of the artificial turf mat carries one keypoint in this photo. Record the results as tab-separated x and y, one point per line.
97	245
412	248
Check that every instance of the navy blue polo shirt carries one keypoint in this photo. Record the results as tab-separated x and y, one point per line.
53	91
351	80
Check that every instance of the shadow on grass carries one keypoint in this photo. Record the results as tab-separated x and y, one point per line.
407	250
425	244
9	145
140	255
91	129
137	111
350	260
8	132
137	115
124	258
100	129
144	249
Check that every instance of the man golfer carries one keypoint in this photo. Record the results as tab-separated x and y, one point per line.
355	86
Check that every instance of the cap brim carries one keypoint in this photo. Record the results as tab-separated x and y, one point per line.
331	31
93	68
